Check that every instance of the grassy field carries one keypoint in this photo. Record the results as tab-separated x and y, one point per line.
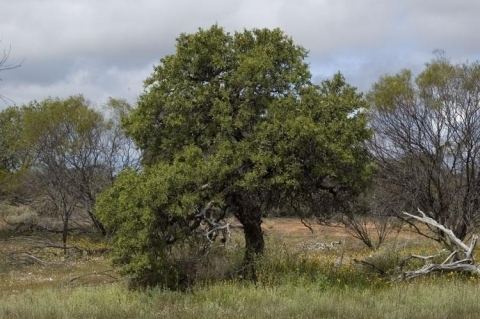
294	282
230	300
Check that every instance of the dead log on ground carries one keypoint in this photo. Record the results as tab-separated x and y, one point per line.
460	259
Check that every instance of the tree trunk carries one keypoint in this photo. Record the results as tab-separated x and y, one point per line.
254	241
65	233
251	221
98	224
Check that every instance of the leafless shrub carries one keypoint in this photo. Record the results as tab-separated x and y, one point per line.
369	220
426	145
372	230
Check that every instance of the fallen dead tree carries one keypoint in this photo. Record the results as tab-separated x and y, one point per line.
460	255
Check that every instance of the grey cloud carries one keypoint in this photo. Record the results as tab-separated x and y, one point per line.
103	48
97	84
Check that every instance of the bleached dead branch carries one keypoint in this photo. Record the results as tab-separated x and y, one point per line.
460	259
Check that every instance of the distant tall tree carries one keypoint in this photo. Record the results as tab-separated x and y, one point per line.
427	143
63	135
263	136
76	153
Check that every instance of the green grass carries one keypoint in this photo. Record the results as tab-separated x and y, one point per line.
293	282
236	300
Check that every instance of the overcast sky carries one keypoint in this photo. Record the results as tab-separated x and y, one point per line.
103	48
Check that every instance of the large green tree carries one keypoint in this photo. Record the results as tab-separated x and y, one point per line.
266	137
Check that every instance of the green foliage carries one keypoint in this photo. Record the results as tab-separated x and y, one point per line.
65	151
66	125
62	124
305	143
13	155
391	88
150	213
434	86
215	88
246	101
238	114
10	133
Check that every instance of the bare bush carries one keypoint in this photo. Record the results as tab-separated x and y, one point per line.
372	231
367	220
427	145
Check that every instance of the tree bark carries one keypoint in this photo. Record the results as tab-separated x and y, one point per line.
98	224
251	221
65	233
254	241
250	216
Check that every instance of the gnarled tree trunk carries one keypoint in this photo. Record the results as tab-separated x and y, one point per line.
249	214
254	241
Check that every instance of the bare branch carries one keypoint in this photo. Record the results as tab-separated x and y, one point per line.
458	250
448	232
307	224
